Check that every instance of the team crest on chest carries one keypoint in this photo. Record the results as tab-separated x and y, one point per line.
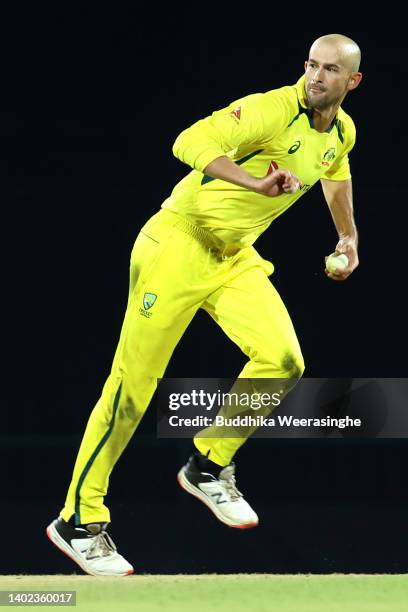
329	156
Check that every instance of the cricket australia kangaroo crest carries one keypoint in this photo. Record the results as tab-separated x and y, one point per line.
148	301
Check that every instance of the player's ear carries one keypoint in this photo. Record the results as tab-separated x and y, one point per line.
354	80
305	65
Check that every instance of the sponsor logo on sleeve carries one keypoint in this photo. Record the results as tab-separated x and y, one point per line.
236	113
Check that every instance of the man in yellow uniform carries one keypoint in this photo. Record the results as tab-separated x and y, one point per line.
251	161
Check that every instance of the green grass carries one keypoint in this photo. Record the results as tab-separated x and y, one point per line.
235	593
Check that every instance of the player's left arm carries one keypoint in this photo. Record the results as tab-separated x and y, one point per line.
338	192
339	197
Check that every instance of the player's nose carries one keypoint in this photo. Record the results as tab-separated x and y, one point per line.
317	77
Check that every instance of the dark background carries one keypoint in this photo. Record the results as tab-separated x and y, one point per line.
91	104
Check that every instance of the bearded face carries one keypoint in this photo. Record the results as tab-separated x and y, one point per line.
327	77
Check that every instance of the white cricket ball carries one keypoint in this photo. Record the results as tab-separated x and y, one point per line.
335	263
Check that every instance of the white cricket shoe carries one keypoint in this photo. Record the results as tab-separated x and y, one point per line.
219	494
90	546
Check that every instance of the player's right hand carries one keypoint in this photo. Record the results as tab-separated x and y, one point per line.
278	182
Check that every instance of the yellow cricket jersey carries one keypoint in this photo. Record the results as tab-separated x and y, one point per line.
260	131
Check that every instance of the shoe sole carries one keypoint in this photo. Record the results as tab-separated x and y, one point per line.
187	486
60	543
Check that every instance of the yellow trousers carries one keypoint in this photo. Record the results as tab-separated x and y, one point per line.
175	269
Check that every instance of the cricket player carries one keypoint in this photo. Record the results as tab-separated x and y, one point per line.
250	162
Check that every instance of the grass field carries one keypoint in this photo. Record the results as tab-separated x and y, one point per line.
235	593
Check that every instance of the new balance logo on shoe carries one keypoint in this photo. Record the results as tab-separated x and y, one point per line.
220	494
219	497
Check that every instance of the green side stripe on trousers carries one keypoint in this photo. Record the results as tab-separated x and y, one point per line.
93	457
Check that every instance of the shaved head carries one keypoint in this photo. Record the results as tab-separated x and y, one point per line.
331	71
348	51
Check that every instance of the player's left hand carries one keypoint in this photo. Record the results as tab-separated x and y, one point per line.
346	246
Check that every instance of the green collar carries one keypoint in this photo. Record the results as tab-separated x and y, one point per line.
304	108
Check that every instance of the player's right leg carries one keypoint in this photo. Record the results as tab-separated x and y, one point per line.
162	302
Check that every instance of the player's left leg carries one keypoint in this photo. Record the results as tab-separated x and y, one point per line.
252	314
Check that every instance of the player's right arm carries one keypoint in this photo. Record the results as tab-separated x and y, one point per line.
251	121
274	184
